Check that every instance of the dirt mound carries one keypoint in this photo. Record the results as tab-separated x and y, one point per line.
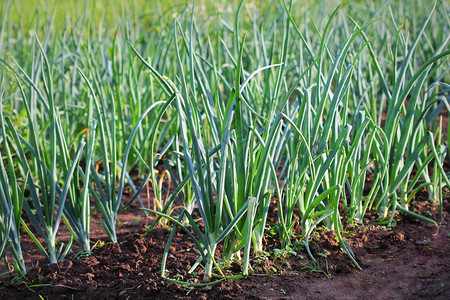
408	261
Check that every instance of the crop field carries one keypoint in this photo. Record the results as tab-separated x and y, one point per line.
224	149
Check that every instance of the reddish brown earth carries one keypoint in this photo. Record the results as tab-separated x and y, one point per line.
409	261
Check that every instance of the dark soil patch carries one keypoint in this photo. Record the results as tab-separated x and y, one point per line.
408	261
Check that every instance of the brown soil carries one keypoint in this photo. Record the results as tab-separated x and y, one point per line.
409	261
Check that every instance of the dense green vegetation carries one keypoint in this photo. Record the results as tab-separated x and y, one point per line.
331	112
